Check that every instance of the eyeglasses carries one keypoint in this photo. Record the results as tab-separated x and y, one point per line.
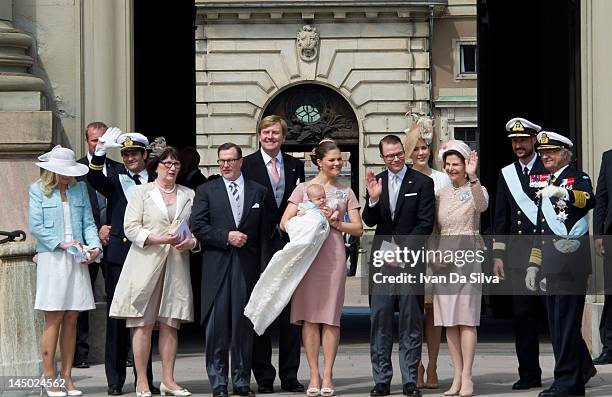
169	164
392	156
228	161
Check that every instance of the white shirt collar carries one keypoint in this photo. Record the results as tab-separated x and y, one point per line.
530	164
144	175
267	157
400	174
559	171
239	181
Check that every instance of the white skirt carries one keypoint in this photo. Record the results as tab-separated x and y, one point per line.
62	283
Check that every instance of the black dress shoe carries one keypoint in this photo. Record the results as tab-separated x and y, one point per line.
129	362
244	391
80	364
292	385
114	390
554	392
524	384
220	391
410	389
380	389
602	359
154	390
586	377
265	387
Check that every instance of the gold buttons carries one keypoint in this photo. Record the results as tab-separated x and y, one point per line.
535	231
543	220
518	222
518	212
125	239
520	232
542	231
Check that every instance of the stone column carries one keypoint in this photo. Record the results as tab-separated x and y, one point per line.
20	325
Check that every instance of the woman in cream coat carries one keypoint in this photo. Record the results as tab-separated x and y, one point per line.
154	288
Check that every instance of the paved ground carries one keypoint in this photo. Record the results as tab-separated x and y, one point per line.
494	369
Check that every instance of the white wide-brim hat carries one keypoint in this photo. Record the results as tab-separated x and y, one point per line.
62	161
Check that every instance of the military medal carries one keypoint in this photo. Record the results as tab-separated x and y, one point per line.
539	181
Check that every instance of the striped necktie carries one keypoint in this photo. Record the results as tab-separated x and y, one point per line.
234	189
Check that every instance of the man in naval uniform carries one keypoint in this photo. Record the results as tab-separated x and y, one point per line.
115	187
560	262
515	217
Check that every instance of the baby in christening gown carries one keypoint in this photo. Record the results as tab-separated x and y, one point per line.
307	231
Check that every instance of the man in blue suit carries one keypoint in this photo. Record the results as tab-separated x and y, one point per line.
93	131
116	188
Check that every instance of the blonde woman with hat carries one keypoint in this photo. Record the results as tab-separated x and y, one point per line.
457	304
60	218
417	145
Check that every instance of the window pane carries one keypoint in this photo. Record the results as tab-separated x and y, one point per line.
468	58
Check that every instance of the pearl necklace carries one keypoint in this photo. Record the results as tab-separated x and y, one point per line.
165	190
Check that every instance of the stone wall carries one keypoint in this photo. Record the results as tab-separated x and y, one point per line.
378	60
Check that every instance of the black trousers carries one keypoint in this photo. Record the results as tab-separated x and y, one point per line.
117	335
81	352
605	324
228	332
572	357
289	343
527	311
288	350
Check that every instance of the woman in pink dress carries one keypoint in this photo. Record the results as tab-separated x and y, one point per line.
458	216
318	300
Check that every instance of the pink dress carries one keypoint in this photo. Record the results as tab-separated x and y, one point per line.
458	214
320	295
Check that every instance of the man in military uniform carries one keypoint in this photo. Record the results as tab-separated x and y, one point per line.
515	217
115	188
560	258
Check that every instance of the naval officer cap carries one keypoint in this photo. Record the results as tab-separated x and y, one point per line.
519	127
552	140
132	140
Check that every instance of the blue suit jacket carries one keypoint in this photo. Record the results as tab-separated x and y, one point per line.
46	217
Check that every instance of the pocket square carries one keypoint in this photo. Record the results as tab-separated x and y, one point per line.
256	205
410	194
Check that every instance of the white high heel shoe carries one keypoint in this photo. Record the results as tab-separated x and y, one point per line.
178	392
143	393
74	392
43	387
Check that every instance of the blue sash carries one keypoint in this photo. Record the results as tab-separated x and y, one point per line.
519	195
580	228
127	184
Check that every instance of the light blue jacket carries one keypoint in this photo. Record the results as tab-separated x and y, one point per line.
46	217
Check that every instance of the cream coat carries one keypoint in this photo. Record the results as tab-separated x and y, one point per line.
145	214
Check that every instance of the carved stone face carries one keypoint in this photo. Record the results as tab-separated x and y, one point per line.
307	41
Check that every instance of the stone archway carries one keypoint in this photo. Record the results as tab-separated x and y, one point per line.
314	112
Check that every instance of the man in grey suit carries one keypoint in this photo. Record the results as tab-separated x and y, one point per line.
229	218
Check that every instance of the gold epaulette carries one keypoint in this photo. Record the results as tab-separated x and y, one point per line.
580	198
497	245
536	256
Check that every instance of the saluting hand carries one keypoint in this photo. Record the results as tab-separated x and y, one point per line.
373	186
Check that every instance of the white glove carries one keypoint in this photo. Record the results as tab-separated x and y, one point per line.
530	278
553	191
108	140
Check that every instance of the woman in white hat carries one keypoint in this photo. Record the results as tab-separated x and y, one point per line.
417	146
60	218
457	303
